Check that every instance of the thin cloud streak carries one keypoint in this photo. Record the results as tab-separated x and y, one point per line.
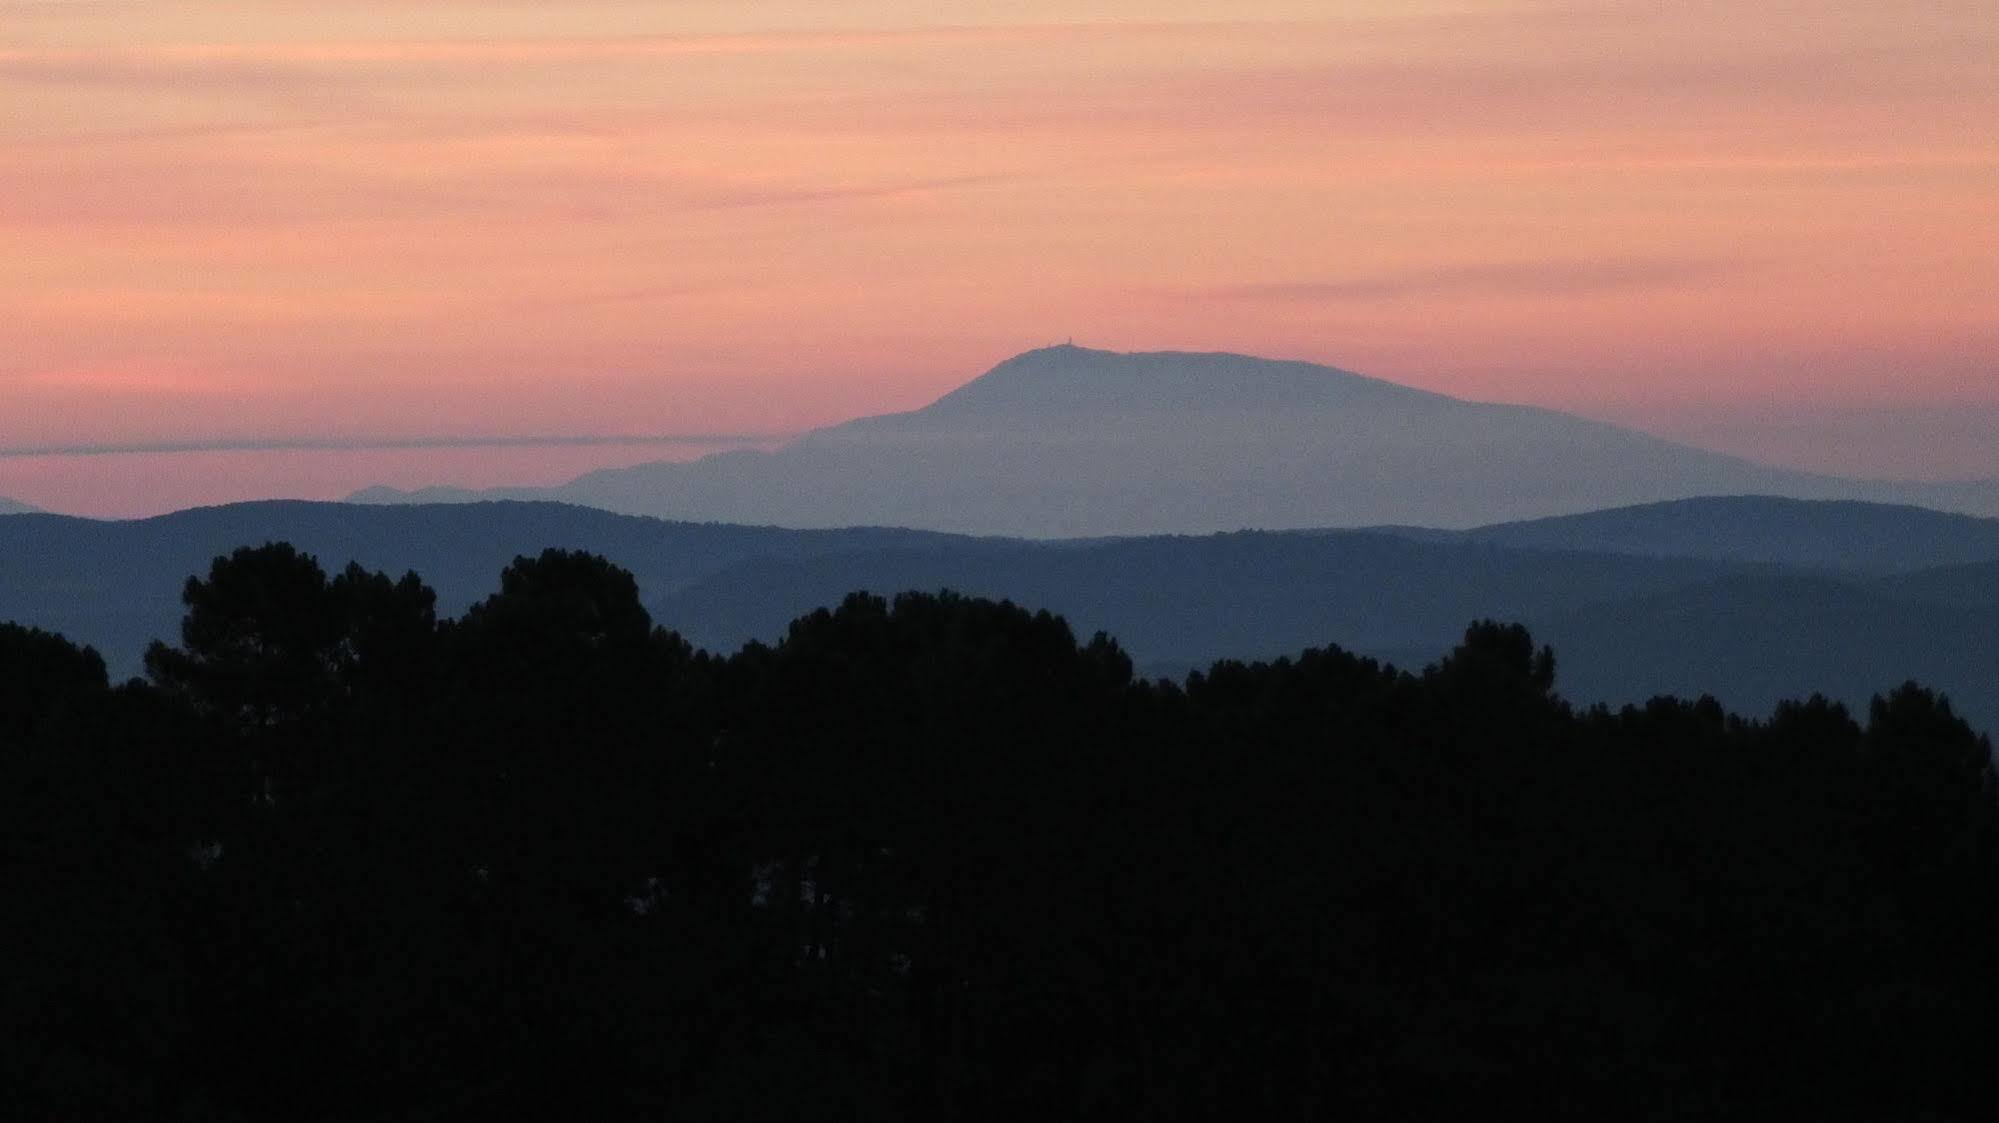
379	444
1529	278
180	60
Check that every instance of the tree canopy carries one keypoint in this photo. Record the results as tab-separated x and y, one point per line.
932	857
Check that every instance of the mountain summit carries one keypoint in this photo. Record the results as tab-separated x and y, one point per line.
1068	381
1069	441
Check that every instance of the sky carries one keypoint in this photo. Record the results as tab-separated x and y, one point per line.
667	226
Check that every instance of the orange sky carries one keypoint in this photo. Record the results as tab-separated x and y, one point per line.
372	218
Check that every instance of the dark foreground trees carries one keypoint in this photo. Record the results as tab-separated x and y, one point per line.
934	859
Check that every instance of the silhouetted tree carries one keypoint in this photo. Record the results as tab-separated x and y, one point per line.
931	857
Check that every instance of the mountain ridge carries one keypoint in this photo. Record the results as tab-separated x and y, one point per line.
1069	377
1072	442
1849	535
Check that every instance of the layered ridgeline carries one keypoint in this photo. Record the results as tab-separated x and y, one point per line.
1751	600
1851	537
1068	441
1734	598
116	584
14	507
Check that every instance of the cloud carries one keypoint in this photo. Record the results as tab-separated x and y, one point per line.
1511	278
359	444
731	198
250	60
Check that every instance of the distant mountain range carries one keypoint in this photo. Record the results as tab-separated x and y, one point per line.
1750	599
13	507
1067	442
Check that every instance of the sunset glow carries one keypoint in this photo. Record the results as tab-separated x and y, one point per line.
255	221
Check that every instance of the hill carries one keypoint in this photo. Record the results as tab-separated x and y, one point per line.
1631	626
1754	640
14	507
1972	586
1071	442
117	584
1845	536
1185	601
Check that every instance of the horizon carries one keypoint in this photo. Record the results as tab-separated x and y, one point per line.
238	223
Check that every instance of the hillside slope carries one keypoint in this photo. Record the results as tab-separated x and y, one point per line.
1833	535
117	585
1183	601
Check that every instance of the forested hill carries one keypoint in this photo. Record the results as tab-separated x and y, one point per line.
339	858
116	584
1184	601
1750	634
1682	598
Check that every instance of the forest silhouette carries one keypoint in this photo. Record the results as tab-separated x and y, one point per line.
337	857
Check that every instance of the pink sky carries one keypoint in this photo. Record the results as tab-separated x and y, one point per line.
273	219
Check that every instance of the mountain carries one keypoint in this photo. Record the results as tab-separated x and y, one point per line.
116	584
1071	442
14	507
1845	536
